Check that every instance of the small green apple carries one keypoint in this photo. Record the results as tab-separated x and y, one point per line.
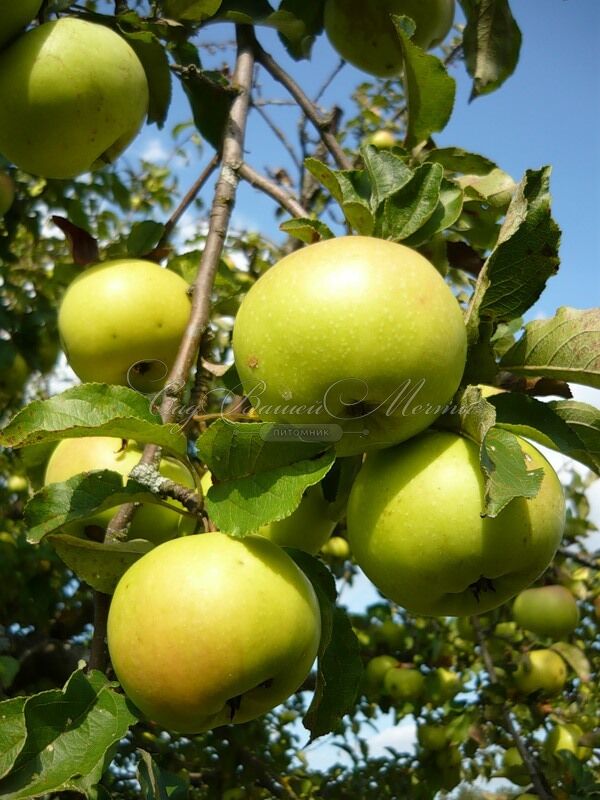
496	188
376	670
541	670
208	630
432	737
528	796
17	484
566	737
153	522
356	334
77	95
336	547
14	16
547	611
7	193
442	685
13	378
121	322
382	139
404	684
513	767
363	33
449	560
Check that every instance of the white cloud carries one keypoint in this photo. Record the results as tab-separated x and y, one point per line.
401	737
154	150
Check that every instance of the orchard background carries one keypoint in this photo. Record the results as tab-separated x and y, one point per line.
364	740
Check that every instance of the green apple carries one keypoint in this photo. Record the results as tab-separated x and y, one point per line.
376	670
432	737
77	95
209	630
363	33
404	684
496	188
528	796
390	633
566	737
513	767
382	139
336	547
415	527
547	611
541	671
13	378
7	193
153	522
442	685
358	335
121	322
17	484
14	16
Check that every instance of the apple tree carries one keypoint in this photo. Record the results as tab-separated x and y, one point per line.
209	436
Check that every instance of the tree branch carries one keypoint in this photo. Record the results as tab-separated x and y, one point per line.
580	558
269	187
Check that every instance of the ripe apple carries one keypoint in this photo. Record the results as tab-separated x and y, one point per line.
357	334
336	547
432	737
442	685
12	379
7	192
547	611
152	522
513	767
16	16
364	34
77	95
566	737
415	527
121	322
382	139
404	684
208	630
541	670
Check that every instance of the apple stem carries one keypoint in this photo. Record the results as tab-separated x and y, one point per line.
537	777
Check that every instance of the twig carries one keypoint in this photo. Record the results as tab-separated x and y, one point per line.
537	777
278	133
329	80
592	561
323	126
97	656
274	191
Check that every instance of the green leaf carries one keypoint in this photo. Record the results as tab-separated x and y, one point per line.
429	90
231	380
491	42
71	734
409	209
100	565
92	409
387	172
575	658
9	669
504	466
455	159
210	95
298	23
526	255
190	10
154	60
307	230
351	189
245	12
13	732
157	784
584	421
565	347
447	211
144	237
339	667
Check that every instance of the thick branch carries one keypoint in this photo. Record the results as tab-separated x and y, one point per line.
274	191
98	654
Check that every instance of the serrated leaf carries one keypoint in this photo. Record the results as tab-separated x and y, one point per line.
429	90
210	95
100	565
154	60
144	237
584	420
387	172
491	42
447	211
71	734
575	658
455	159
409	209
307	230
326	176
13	732
339	667
525	256
565	347
298	23
92	409
351	189
503	463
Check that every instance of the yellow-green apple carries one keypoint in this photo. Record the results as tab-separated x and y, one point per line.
77	95
415	527
336	547
375	672
442	685
566	737
14	16
209	630
382	139
528	796
7	193
432	736
355	333
547	611
17	484
121	322
153	522
541	671
496	188
12	378
513	767
363	33
404	684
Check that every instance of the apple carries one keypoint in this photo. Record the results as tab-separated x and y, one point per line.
375	672
13	378
547	611
336	547
77	95
364	34
382	139
566	737
153	522
358	335
208	630
14	16
496	188
528	796
121	322
541	670
442	685
7	193
513	767
432	737
17	484
390	634
415	527
404	684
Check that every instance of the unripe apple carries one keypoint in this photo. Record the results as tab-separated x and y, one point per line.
376	670
442	685
527	796
404	684
356	334
566	737
13	378
336	547
7	193
208	630
364	34
16	15
415	527
121	322
513	767
17	484
382	139
547	611
152	522
77	95
541	670
432	737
